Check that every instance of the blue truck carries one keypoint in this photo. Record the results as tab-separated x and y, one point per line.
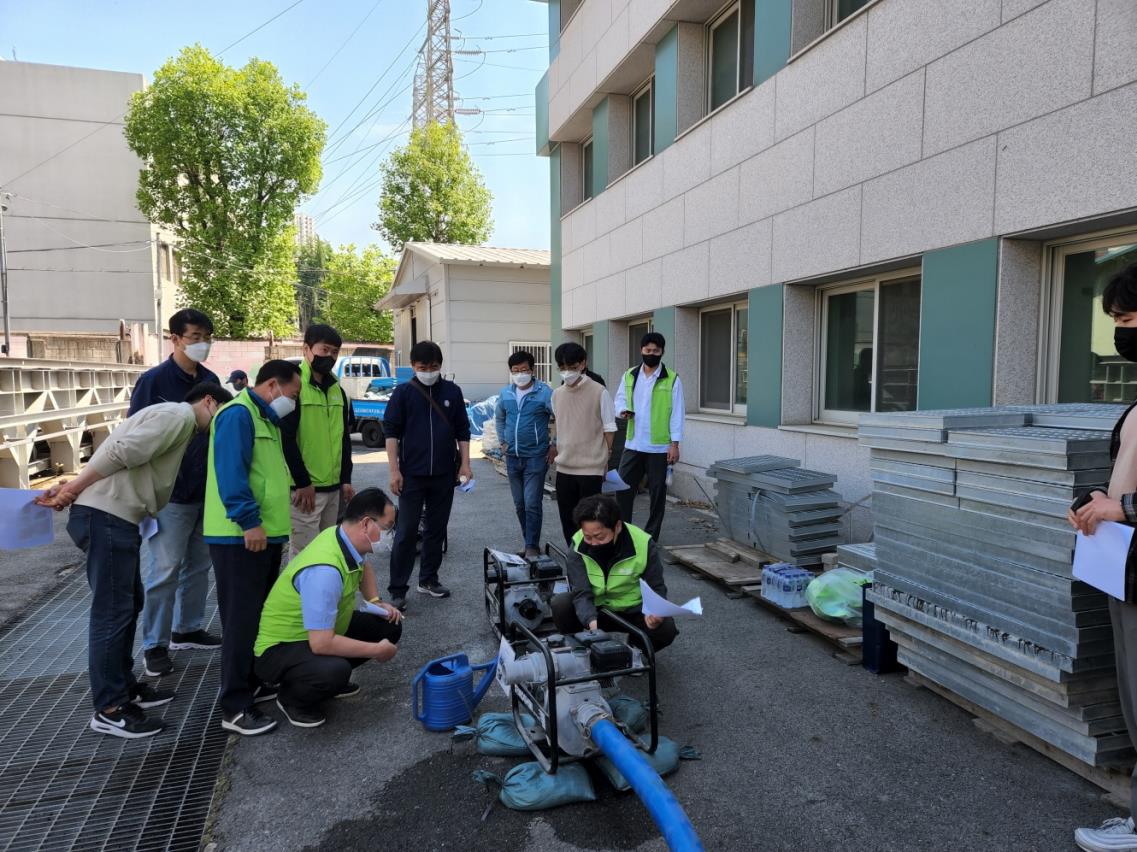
369	407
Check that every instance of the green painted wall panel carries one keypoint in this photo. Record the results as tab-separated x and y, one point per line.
666	89
600	148
772	27
959	289
764	356
541	114
556	330
601	338
663	321
554	29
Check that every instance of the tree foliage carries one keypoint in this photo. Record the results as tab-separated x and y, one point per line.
310	296
353	283
227	154
433	192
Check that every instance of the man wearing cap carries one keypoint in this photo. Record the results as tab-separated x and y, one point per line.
238	380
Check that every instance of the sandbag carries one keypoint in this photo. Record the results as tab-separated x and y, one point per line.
529	788
496	735
630	712
836	595
664	761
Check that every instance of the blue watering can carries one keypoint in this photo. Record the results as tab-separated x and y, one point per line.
448	694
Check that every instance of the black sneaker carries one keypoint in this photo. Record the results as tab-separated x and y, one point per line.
196	639
350	689
127	721
435	589
249	724
146	696
399	602
158	662
265	692
302	718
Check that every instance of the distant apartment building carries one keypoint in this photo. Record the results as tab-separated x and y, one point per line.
81	256
832	207
305	229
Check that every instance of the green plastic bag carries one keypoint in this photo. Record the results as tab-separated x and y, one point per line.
665	760
529	788
495	735
836	595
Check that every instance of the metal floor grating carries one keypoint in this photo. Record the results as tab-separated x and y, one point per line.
64	787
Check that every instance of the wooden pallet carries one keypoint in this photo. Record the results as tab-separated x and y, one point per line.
847	641
716	566
1114	781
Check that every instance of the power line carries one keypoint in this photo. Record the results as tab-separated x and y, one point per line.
507	35
510	67
145	245
343	44
261	27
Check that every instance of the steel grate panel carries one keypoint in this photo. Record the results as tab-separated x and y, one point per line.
63	787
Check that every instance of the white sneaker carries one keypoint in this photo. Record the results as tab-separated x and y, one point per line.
1114	834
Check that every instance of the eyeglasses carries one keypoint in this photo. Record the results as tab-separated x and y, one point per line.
197	338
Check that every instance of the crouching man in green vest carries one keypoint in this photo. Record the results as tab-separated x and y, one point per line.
605	566
311	636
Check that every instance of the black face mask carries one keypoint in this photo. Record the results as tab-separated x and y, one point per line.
323	364
652	360
1125	342
604	553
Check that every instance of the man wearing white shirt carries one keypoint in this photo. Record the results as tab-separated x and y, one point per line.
651	397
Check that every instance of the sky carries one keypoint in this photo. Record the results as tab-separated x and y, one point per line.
355	60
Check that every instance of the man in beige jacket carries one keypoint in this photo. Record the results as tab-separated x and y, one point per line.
127	481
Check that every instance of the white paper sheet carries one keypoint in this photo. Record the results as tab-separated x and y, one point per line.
375	609
663	608
147	527
505	656
468	486
22	522
1099	559
507	558
612	482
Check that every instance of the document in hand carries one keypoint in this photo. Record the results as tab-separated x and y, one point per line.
612	482
22	522
1100	559
661	607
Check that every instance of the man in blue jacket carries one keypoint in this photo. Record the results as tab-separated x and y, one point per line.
428	451
522	415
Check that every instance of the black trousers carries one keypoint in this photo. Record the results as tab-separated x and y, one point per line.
244	579
432	496
306	678
564	615
633	465
571	489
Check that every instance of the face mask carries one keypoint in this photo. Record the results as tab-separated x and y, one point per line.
604	552
282	406
1125	342
652	360
521	379
198	352
383	543
323	364
428	379
569	377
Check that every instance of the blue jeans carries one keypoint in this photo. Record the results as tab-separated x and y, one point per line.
527	482
111	545
176	575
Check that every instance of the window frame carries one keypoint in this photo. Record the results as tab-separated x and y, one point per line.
841	417
588	341
735	408
542	353
833	11
735	7
646	90
634	353
586	170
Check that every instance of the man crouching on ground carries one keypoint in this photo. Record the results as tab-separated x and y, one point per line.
311	636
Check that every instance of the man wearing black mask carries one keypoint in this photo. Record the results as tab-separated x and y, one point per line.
317	440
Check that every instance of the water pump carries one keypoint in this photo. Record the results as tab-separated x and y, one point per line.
518	591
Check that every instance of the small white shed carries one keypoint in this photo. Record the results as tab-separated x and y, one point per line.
479	303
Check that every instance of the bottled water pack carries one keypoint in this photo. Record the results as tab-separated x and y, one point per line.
785	584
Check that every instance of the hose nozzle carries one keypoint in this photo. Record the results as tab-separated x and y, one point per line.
588	714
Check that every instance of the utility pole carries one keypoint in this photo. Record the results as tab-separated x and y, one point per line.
4	197
434	75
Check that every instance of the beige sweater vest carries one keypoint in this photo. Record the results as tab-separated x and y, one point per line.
581	448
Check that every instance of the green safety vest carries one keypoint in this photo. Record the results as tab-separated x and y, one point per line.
320	436
621	588
268	478
282	619
660	405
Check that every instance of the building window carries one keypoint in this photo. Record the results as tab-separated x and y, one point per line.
870	346
838	10
1083	364
636	331
643	123
587	343
586	168
730	48
542	357
722	358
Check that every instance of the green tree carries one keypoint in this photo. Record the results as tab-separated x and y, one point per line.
433	192
310	296
227	155
353	283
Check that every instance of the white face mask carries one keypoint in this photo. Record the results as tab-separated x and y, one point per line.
384	542
570	377
198	352
428	379
521	379
282	406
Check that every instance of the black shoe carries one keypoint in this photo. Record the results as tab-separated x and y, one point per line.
435	589
265	692
350	689
196	639
146	696
399	602
127	721
249	724
301	718
158	662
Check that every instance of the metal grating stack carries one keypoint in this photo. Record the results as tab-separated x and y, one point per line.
773	504
974	555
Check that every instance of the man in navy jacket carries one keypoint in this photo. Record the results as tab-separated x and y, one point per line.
428	450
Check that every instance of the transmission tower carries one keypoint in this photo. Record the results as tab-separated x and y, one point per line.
434	75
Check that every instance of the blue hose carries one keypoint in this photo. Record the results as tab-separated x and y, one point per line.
656	796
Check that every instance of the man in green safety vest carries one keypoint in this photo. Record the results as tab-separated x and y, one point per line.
317	440
607	561
246	526
651	397
311	635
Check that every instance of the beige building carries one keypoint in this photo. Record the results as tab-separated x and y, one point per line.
480	304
